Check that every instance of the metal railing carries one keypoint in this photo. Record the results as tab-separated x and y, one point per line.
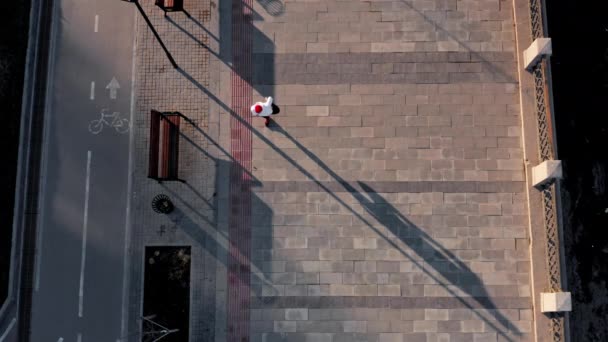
549	191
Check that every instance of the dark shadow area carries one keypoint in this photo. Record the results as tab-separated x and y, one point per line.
167	292
443	262
580	84
198	41
13	45
261	235
209	243
275	8
501	75
263	52
471	278
440	259
155	33
234	48
202	27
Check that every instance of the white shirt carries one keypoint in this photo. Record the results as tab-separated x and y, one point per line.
266	108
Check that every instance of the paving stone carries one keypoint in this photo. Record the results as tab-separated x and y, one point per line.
317	110
284	326
436	314
472	326
355	326
296	314
425	326
389	290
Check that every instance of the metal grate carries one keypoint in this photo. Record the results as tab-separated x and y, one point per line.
536	16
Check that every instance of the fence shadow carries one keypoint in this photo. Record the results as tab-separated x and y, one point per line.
442	261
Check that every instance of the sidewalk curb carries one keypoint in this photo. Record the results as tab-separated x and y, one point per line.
22	162
27	180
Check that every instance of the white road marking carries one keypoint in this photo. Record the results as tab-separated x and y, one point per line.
84	234
92	90
60	339
10	326
96	23
79	337
126	259
113	86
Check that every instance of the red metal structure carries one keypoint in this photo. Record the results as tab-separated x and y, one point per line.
163	159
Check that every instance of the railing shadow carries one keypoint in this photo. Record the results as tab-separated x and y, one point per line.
454	273
255	278
191	36
505	77
502	323
457	273
275	8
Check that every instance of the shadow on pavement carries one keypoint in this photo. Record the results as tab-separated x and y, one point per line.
475	56
261	235
442	261
444	264
440	252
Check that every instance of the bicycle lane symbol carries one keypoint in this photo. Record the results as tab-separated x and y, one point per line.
121	125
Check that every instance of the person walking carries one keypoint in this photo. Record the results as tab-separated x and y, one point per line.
265	110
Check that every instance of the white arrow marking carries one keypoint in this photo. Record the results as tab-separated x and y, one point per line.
113	86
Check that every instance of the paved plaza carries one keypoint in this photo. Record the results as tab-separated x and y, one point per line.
387	200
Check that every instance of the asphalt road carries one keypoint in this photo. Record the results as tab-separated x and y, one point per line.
78	292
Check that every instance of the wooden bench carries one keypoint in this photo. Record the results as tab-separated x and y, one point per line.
163	160
170	5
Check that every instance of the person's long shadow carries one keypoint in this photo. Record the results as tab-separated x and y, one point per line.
457	273
484	303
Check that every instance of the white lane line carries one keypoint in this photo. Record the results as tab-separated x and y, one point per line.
10	326
84	234
60	339
79	337
96	23
126	257
92	90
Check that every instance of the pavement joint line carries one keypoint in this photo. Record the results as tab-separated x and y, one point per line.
96	23
92	96
84	234
8	329
126	259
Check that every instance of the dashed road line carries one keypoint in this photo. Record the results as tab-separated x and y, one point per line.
84	235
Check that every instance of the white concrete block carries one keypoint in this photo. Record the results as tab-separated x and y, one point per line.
539	48
555	302
546	172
